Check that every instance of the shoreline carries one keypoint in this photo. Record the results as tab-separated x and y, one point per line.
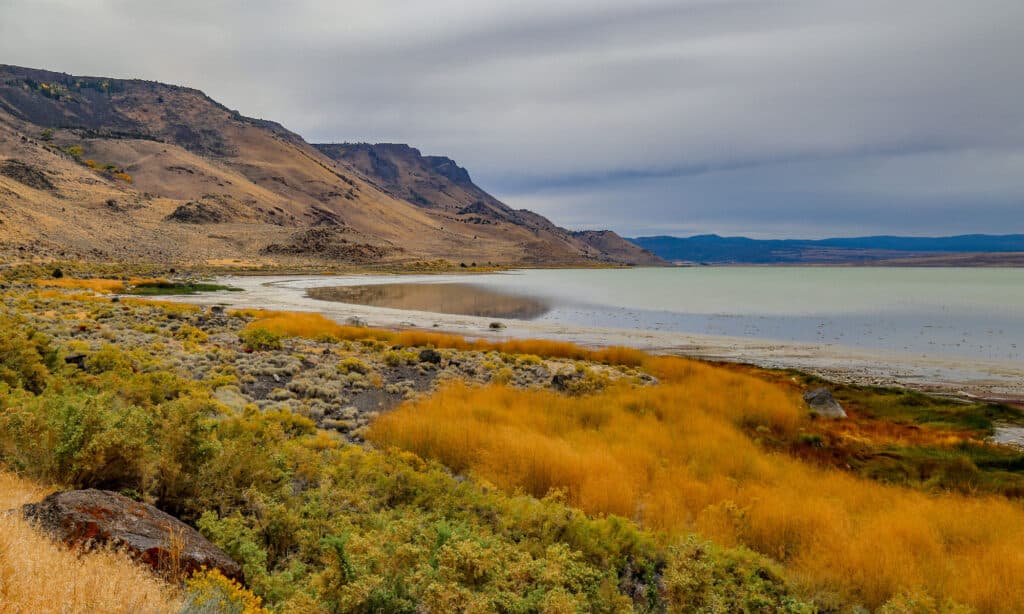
977	379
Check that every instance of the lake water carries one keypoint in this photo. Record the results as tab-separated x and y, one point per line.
968	312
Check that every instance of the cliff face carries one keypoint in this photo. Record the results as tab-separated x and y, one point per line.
107	169
438	184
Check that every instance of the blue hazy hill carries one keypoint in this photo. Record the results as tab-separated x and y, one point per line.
715	249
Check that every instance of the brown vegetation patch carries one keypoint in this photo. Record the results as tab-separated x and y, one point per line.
26	174
329	242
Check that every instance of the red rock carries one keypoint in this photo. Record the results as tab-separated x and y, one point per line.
86	518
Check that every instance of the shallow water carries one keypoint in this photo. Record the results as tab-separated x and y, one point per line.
455	298
969	312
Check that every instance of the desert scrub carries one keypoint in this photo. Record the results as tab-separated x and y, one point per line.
353	365
702	577
260	339
209	592
108	358
26	357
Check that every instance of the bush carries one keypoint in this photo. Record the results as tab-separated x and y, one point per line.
210	592
260	339
26	357
353	365
108	358
702	577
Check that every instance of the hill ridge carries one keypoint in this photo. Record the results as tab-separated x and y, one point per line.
147	170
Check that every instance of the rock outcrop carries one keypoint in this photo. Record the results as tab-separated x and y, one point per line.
85	518
823	404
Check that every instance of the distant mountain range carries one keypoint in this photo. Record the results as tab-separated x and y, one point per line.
962	250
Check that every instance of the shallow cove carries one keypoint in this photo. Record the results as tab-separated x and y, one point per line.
453	298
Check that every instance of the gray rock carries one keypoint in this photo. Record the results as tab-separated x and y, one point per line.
86	518
356	321
822	403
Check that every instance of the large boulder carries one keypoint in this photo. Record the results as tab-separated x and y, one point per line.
85	518
822	403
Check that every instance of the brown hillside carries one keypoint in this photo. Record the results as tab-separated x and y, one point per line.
439	185
126	169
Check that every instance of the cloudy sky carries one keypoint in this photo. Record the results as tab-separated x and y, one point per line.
766	118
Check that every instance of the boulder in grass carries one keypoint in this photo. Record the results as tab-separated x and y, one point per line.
822	403
87	518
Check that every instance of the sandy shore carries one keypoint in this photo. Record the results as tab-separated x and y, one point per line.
994	380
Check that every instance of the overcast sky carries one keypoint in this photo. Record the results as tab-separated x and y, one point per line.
764	118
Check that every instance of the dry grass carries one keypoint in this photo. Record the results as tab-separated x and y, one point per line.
675	457
316	326
38	575
99	285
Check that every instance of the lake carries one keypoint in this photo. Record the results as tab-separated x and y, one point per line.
969	312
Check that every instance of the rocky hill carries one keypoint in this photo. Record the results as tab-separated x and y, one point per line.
443	188
110	169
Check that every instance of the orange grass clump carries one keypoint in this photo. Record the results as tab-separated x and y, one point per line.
316	326
675	458
101	286
39	575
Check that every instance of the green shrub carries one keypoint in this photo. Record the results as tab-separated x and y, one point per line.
259	339
108	358
702	577
26	357
353	365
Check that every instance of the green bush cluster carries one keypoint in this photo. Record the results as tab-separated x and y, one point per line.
26	357
260	339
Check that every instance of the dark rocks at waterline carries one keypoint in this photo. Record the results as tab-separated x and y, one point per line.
88	518
823	404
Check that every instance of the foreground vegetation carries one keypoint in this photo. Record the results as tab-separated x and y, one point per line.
689	466
320	525
37	575
560	479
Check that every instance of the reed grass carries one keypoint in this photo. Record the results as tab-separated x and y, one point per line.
677	458
319	327
96	284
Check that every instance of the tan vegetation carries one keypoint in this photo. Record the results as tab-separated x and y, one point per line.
38	575
316	326
677	457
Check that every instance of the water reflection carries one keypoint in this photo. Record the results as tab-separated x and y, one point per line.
454	298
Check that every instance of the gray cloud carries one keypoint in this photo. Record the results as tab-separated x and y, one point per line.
770	118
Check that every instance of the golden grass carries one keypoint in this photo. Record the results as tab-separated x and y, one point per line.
87	297
99	285
675	457
38	575
316	326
